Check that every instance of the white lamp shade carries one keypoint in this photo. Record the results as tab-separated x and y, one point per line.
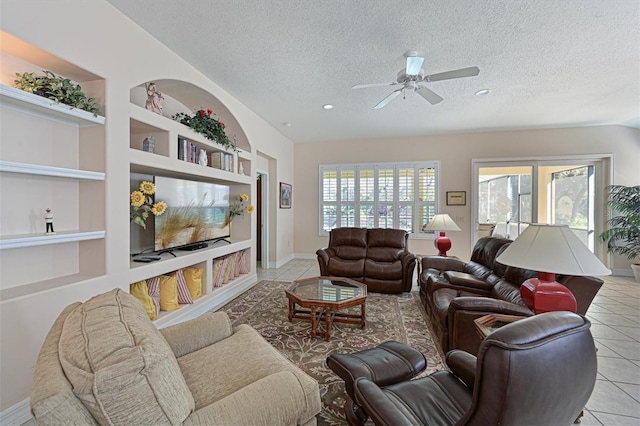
442	222
552	248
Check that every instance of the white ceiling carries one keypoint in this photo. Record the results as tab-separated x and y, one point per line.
549	63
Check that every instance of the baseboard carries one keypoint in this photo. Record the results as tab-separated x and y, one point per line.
17	414
280	262
622	272
306	256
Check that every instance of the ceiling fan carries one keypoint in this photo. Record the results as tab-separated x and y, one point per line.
411	78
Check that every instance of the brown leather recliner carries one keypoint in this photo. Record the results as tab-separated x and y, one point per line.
537	371
377	257
455	293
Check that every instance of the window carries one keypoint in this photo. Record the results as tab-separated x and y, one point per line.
387	195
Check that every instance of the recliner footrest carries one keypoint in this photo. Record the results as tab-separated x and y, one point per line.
388	363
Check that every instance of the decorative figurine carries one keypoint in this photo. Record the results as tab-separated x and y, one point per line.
154	99
202	157
48	219
149	144
240	168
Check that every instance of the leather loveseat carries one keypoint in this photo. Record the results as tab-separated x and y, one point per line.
104	362
377	257
455	293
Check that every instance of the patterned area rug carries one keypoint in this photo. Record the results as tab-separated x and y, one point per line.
389	317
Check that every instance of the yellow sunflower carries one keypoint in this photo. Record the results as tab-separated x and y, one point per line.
159	208
148	188
244	198
137	198
250	209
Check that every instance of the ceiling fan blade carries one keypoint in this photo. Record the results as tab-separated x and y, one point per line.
366	86
429	95
388	99
462	72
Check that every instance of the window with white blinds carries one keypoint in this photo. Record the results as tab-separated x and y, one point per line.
385	195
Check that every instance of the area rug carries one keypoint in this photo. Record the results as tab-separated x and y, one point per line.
389	317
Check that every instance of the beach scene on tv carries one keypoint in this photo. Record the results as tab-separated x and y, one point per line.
196	212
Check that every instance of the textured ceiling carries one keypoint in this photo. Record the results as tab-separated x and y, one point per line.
549	63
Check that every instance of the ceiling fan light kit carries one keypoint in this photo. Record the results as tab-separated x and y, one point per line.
413	76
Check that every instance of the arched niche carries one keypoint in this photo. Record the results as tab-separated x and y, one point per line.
182	96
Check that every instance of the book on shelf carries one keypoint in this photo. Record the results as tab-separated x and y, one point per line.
221	160
187	151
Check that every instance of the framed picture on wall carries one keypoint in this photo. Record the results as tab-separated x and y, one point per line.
285	195
456	198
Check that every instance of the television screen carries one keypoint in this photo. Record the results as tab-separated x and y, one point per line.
196	212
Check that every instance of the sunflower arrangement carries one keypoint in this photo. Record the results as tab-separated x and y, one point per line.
142	204
238	208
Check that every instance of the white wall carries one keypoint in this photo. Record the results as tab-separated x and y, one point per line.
95	36
455	153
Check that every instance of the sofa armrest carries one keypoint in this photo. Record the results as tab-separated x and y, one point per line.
442	263
324	254
463	365
277	399
462	312
195	334
436	283
486	305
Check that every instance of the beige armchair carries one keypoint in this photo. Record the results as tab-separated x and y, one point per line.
104	362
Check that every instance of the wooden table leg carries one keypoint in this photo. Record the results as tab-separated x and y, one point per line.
313	322
327	322
363	315
292	306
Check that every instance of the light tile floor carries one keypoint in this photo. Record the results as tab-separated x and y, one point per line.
615	317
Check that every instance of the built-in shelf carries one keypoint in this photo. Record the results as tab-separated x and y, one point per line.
35	169
182	259
148	163
40	286
34	104
31	240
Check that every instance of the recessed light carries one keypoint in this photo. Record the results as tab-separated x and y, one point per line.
483	92
327	106
286	124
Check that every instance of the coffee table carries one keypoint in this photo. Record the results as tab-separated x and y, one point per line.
324	297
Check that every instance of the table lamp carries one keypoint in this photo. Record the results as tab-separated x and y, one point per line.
442	223
550	250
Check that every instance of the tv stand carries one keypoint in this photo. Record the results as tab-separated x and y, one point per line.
195	246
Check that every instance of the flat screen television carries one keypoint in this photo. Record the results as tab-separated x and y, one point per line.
196	212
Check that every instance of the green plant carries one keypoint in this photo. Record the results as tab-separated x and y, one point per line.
58	89
204	123
623	235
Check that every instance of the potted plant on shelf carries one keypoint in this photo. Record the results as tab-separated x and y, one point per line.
623	235
204	123
58	89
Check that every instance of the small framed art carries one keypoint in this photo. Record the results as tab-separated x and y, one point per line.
456	198
285	195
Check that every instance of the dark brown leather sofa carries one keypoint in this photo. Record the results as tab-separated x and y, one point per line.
376	257
455	293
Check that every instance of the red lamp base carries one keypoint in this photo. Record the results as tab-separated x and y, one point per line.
442	243
544	294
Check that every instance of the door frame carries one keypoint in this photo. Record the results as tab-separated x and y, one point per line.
264	216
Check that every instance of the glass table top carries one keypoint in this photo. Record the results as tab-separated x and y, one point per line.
328	290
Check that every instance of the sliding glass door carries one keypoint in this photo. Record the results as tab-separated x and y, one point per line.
510	194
